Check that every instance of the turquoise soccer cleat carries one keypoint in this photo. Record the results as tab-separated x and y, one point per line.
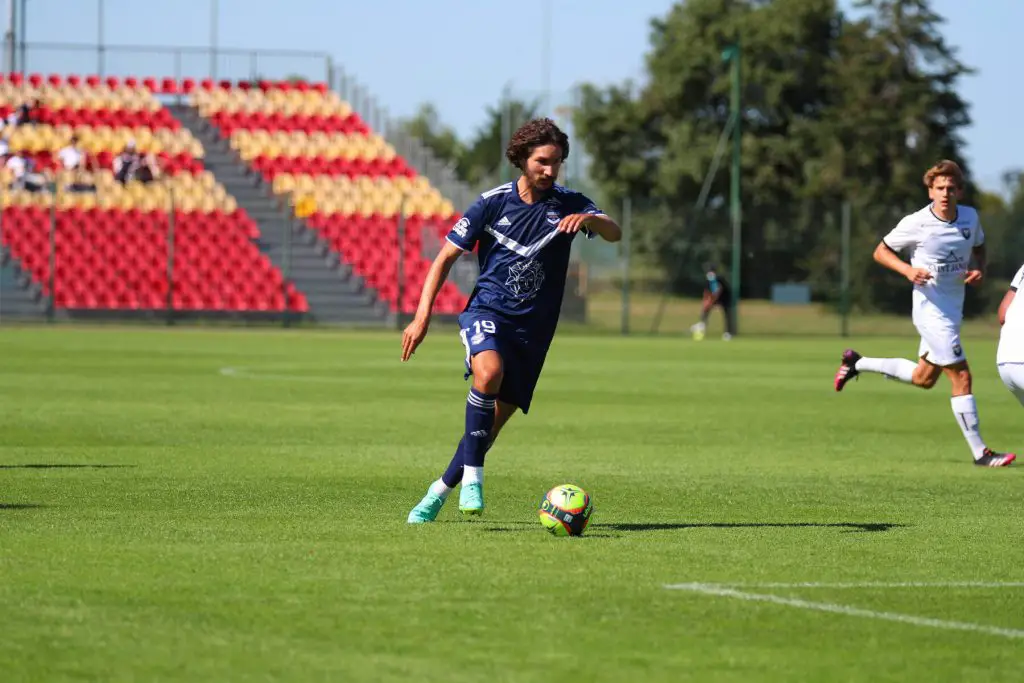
471	500
426	510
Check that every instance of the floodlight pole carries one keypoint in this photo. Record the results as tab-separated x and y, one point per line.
214	16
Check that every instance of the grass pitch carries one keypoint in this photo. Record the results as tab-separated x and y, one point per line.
185	505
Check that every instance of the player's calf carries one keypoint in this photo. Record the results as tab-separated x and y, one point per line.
922	374
481	402
925	375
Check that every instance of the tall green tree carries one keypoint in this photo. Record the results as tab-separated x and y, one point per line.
439	138
485	152
477	161
834	109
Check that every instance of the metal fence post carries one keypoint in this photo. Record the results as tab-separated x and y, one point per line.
51	308
170	255
2	213
289	227
400	288
844	285
627	231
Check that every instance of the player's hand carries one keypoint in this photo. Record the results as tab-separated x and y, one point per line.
573	223
919	276
973	277
413	336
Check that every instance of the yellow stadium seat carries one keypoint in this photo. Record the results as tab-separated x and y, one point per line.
187	204
87	200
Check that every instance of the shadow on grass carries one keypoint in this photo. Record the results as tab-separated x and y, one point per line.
852	527
20	506
596	529
60	466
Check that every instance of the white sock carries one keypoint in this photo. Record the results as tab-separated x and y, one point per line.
472	475
966	412
440	489
893	368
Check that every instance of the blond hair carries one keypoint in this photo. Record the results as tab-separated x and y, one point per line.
947	169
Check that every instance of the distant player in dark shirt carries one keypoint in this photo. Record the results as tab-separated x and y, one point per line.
716	293
523	232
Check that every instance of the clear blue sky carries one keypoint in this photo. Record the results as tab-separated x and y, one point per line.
411	51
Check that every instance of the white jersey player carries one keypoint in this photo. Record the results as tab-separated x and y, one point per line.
946	246
1010	354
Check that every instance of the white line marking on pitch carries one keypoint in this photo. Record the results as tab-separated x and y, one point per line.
726	592
247	374
336	376
871	584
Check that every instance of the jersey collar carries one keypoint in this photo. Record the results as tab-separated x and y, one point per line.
931	210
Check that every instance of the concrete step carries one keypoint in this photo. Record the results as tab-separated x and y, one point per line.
19	297
333	291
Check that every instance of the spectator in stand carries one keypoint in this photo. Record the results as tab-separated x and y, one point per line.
132	165
26	177
77	162
28	112
126	163
149	168
73	157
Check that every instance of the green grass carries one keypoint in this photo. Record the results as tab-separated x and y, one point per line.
759	317
163	521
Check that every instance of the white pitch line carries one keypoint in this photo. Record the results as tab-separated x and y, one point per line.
243	373
870	584
725	592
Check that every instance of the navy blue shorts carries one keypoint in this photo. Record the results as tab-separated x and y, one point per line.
522	354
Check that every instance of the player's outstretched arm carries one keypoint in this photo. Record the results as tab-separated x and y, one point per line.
885	256
1004	305
416	331
598	223
980	257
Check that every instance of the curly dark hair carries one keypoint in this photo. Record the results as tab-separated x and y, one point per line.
533	134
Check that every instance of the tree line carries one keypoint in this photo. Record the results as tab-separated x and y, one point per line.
837	107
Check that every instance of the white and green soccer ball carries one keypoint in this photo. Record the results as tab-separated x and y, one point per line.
565	510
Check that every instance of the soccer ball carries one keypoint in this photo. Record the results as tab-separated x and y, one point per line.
565	510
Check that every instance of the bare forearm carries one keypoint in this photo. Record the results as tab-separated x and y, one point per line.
604	226
980	257
887	257
436	276
1004	305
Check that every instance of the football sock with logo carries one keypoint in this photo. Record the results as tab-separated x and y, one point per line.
477	439
893	368
966	412
453	475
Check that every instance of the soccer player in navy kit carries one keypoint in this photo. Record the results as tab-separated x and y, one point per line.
523	232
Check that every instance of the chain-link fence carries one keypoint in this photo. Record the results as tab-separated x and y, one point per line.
152	251
803	270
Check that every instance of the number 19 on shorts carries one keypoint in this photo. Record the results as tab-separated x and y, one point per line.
477	332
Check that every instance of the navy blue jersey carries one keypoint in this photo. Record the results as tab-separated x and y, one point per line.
523	258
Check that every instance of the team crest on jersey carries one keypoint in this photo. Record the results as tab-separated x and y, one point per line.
525	279
553	218
966	232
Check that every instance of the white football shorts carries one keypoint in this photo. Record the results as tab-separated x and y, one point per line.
940	343
1012	375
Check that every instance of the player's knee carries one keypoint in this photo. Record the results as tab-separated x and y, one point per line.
487	373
